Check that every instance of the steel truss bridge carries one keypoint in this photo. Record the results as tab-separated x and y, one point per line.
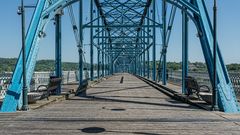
123	32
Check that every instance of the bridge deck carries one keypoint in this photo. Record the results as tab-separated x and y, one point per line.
130	107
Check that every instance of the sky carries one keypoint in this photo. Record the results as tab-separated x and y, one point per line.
228	34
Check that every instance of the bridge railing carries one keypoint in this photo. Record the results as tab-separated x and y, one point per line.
39	78
42	78
235	79
175	77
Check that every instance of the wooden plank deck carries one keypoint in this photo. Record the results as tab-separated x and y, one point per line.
130	107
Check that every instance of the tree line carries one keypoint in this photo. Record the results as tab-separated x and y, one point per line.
8	65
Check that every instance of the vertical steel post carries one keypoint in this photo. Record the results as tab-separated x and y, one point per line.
112	65
154	41
148	43
98	63
140	58
139	64
184	49
80	47
91	41
109	65
98	52
215	90
58	49
106	56
164	21
24	88
111	61
109	56
132	67
144	53
103	72
135	66
138	70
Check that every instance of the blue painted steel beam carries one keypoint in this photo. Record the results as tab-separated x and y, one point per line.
184	3
140	55
98	50
58	49
170	23
112	65
227	98
148	43
135	66
164	21
122	26
109	65
80	47
154	42
111	59
214	89
25	87
184	50
103	69
117	37
91	42
107	57
13	97
138	63
144	55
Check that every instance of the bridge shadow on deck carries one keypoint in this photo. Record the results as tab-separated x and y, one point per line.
102	93
94	98
124	89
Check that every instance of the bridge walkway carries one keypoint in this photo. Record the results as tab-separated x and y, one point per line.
122	104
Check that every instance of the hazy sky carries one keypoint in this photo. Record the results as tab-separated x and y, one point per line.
228	33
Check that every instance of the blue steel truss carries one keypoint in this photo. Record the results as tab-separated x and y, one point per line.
123	31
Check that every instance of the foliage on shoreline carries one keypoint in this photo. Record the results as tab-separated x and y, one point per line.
8	65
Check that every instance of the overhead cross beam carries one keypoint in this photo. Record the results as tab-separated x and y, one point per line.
145	13
101	13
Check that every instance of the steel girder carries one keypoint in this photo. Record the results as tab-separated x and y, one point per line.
227	98
197	12
123	20
44	12
35	32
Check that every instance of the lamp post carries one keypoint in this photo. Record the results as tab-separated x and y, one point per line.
215	90
24	87
21	11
